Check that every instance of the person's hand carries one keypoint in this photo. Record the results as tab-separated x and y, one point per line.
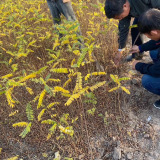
117	58
134	64
65	1
134	49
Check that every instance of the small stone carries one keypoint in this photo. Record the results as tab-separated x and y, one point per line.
134	81
81	156
118	143
101	151
138	156
137	93
146	136
117	153
107	155
129	156
146	154
134	135
114	138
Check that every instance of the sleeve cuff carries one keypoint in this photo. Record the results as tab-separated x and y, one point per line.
140	49
121	50
138	66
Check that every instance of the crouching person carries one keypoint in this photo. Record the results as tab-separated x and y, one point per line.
149	24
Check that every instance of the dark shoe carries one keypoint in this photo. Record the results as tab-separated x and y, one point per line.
129	58
137	56
157	104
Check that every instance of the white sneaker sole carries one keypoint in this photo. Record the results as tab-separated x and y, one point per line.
156	106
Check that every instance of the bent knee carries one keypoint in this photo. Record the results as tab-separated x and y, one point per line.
146	81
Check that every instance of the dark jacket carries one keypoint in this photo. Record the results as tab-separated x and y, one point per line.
150	69
137	7
150	45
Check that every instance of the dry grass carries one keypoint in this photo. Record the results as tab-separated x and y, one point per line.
108	120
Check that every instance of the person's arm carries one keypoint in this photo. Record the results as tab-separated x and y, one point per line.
150	45
65	1
153	3
150	69
123	35
123	31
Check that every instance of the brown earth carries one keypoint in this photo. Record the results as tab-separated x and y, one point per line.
119	129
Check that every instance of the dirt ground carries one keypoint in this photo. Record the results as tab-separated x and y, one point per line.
125	127
144	120
131	134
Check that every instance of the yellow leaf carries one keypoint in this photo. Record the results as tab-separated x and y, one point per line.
76	52
30	33
65	94
10	61
20	36
67	130
67	82
41	98
132	72
72	98
19	55
60	89
29	90
45	155
49	136
133	26
13	158
52	104
59	70
27	77
115	79
13	113
78	86
48	121
20	124
87	77
41	114
113	89
56	44
97	85
73	61
64	42
125	89
94	74
53	128
89	32
17	25
7	76
9	97
31	43
2	35
129	133
54	80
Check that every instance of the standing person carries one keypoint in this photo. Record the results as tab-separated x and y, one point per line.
58	7
124	10
149	24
